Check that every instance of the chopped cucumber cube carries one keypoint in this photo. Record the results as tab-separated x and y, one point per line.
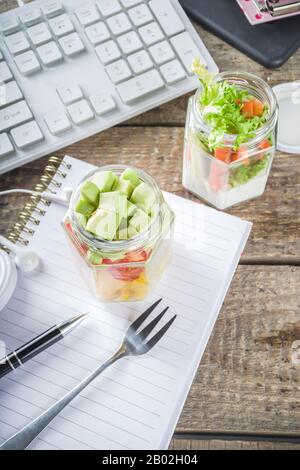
82	219
132	176
94	257
124	187
114	256
114	201
84	207
104	180
90	193
104	224
131	208
127	233
144	196
139	221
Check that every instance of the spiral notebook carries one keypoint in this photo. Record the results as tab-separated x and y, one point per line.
136	403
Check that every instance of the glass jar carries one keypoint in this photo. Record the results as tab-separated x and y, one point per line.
122	270
225	184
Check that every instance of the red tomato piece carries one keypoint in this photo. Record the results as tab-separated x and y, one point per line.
265	144
234	156
128	273
248	109
223	154
258	107
82	248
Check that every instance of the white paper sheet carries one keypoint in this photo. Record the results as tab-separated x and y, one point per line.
136	403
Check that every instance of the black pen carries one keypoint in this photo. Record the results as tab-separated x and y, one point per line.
37	345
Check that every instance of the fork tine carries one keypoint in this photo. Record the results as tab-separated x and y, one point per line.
152	342
137	323
147	330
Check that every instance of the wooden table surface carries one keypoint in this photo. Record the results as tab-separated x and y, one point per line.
246	393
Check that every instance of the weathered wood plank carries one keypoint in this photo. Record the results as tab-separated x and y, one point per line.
213	444
246	381
275	215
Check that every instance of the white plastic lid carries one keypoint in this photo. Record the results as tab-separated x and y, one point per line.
8	278
288	97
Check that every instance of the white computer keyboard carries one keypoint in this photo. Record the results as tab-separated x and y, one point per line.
72	68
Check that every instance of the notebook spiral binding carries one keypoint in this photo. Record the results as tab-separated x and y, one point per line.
31	211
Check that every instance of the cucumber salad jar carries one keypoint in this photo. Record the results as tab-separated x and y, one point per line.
120	231
230	137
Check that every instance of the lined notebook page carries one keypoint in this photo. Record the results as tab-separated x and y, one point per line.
134	404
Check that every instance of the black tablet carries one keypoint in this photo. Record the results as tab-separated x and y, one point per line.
270	44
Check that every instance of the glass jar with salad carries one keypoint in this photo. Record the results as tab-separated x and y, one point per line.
230	137
121	232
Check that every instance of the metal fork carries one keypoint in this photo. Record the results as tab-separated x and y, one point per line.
134	344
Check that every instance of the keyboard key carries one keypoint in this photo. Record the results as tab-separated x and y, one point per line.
141	86
52	8
108	52
27	63
140	62
151	34
140	15
173	72
80	112
71	44
87	14
39	34
162	52
5	73
13	115
9	25
9	93
49	53
97	33
119	24
130	42
27	134
30	17
167	17
130	3
6	146
186	50
108	7
61	25
118	71
69	93
57	121
103	104
17	43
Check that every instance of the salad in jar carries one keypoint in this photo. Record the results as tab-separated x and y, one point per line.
121	232
230	137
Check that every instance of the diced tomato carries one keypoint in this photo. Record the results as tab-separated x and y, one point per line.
82	248
265	144
241	153
223	154
234	156
137	256
252	108
248	109
258	107
128	273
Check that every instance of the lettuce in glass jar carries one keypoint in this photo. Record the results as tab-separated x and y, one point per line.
230	137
